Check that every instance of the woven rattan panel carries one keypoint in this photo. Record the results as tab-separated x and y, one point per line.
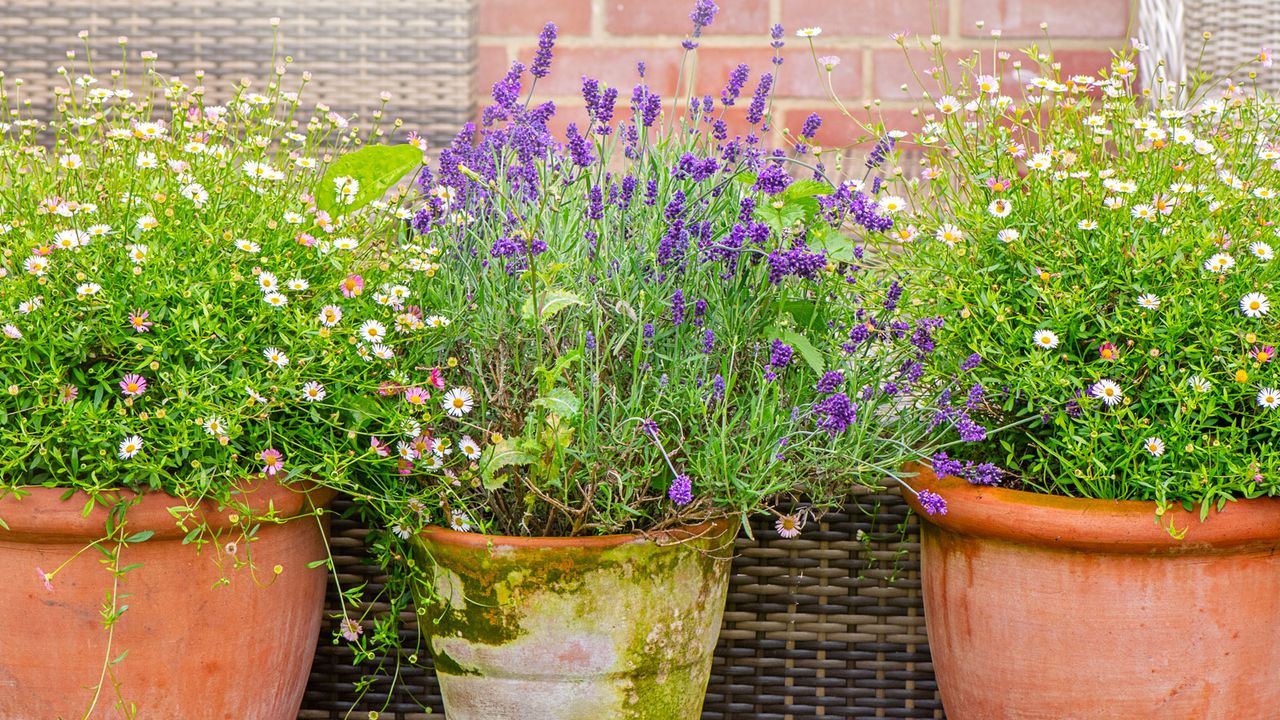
1240	29
421	51
827	625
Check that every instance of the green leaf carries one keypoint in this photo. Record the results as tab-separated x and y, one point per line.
800	344
140	536
553	301
806	189
560	401
496	457
836	245
316	563
376	167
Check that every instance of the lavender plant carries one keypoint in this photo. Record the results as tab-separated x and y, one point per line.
654	323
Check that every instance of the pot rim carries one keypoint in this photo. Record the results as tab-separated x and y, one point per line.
449	536
42	516
1106	526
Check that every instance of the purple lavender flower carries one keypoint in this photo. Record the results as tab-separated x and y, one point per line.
681	490
892	296
579	148
830	382
704	13
590	342
648	334
971	362
699	312
604	111
880	152
944	466
932	502
677	307
969	430
811	125
773	179
541	66
737	79
649	426
755	112
591	94
835	414
975	397
984	474
776	32
708	341
506	92
779	355
595	208
717	388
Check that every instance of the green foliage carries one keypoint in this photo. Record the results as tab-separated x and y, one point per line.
375	170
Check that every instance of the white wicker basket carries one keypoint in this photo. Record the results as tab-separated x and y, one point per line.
1240	28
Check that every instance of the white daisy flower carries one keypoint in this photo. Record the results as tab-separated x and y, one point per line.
196	193
248	246
469	447
1153	445
1149	301
268	282
1255	305
298	284
949	234
275	357
88	289
293	218
330	315
146	161
372	331
70	240
457	402
313	392
99	230
1268	398
892	204
1000	208
1262	251
26	307
12	332
345	243
1087	225
275	299
382	352
254	396
1219	263
400	531
1107	391
436	321
809	32
1199	384
129	447
36	265
215	426
1046	339
1008	235
147	222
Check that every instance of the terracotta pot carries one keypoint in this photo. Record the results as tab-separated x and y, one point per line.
1054	608
204	639
620	627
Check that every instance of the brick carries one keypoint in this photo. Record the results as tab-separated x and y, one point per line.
892	68
526	17
491	64
842	18
671	17
799	77
611	65
1093	19
837	130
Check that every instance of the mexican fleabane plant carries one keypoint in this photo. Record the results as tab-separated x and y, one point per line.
1108	252
195	296
653	322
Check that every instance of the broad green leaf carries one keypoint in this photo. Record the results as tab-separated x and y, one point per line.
560	401
140	536
376	167
837	246
806	189
553	301
499	456
800	344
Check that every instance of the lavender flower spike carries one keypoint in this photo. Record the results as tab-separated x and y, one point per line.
932	502
541	66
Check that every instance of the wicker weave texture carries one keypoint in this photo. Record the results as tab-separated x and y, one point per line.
423	52
827	625
1239	29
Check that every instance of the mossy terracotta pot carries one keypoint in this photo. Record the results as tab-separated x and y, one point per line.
204	639
619	628
1041	607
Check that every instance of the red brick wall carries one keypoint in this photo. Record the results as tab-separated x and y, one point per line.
605	38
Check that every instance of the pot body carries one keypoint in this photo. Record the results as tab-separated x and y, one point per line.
205	638
618	627
1050	608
